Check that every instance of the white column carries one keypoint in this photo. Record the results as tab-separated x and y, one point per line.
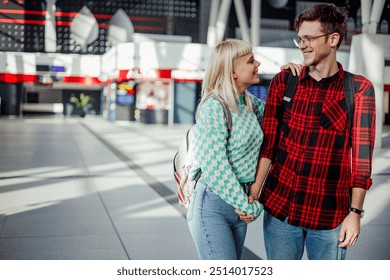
50	26
222	19
367	58
171	98
366	13
376	13
212	31
255	22
242	20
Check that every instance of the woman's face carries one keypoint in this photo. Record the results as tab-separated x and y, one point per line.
245	71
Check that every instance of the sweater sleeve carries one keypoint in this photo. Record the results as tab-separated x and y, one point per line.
210	153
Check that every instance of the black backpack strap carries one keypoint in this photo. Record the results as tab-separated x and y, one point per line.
349	91
291	87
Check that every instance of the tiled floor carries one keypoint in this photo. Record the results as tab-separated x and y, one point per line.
90	189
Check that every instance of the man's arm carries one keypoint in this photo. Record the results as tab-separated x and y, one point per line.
263	167
363	139
350	229
270	127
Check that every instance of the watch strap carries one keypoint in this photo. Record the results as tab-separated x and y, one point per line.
357	211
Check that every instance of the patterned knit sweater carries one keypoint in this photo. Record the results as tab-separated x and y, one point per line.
226	164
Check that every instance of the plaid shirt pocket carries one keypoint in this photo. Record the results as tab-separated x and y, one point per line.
334	115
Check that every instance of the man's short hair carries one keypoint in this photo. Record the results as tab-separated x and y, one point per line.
332	18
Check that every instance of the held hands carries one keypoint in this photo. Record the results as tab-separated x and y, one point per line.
247	218
295	68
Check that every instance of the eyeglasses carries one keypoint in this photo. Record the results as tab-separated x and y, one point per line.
307	40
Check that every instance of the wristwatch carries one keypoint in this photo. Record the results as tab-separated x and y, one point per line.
357	211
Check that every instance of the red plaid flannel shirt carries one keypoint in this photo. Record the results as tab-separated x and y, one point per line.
311	172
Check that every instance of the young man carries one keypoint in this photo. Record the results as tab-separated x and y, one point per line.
314	192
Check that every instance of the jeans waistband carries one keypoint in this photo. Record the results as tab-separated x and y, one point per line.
246	187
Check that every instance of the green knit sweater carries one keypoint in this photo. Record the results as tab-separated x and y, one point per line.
226	164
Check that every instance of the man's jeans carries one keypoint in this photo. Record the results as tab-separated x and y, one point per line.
286	242
217	230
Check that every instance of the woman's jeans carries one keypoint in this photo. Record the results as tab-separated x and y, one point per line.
286	242
217	230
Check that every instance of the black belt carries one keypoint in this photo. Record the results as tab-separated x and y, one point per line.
246	187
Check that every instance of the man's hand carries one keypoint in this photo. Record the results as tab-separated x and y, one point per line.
350	230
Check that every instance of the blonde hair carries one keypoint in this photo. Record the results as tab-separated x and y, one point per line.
219	73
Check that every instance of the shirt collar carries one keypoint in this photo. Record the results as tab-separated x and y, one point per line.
336	76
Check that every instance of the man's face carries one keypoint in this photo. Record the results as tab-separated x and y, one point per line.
315	44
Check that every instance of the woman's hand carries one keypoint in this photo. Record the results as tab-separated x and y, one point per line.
295	68
246	217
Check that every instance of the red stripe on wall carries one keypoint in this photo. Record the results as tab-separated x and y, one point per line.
153	19
22	21
17	78
164	73
82	80
69	24
73	14
22	12
32	78
143	27
63	23
188	80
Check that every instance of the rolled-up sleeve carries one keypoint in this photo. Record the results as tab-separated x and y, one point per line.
363	134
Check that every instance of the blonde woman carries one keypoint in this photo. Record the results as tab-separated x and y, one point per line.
227	159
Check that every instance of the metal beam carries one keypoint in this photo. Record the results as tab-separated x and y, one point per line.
366	12
242	20
50	26
255	22
212	29
222	19
376	13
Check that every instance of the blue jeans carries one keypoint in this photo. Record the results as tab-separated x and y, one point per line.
286	242
216	229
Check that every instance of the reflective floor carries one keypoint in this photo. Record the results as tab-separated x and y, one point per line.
75	188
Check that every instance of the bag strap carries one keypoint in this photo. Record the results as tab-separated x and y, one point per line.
349	91
228	117
289	92
291	86
226	113
254	108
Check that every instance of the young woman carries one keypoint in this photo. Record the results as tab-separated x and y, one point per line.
226	158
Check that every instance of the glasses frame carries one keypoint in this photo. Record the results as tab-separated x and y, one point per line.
307	40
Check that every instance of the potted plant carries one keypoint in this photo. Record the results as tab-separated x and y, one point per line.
81	103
